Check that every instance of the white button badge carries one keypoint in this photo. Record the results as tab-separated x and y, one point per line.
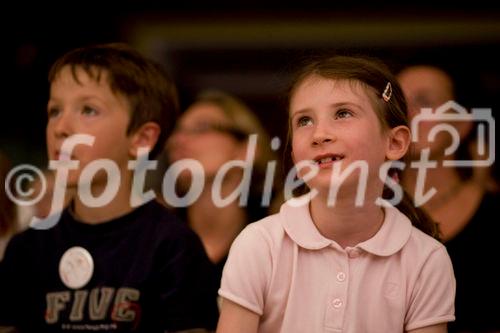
76	267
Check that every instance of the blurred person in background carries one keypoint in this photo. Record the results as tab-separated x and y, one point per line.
215	130
464	202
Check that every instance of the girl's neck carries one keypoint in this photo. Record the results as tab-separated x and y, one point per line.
345	223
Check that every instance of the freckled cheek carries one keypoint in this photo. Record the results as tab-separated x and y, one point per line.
307	171
97	151
297	150
49	133
49	140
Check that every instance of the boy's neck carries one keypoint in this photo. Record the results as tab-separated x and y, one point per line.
118	206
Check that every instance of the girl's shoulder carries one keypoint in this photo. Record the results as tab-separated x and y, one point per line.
422	248
268	230
418	240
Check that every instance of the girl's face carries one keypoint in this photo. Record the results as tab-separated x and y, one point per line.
200	135
333	121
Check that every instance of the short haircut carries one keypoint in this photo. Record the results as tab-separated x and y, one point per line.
151	93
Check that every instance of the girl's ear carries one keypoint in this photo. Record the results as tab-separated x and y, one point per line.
145	136
398	142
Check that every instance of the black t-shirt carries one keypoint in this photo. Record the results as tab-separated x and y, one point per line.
474	253
150	274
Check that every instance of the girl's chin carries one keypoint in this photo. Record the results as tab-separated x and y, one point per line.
323	188
326	184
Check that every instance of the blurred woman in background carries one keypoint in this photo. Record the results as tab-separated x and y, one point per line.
464	203
215	130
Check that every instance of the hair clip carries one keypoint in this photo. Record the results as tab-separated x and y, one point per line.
386	95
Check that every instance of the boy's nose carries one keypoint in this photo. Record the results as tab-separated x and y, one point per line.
63	126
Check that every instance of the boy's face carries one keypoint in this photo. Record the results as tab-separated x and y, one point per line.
87	107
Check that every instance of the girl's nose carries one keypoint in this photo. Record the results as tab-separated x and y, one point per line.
322	135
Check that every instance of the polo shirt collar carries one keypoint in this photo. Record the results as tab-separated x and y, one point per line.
391	237
297	222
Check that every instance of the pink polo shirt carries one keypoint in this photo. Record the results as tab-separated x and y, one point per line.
283	269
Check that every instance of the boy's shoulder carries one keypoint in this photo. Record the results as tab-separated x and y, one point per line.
151	218
158	216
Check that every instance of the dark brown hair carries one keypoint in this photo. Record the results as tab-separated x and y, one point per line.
374	76
151	94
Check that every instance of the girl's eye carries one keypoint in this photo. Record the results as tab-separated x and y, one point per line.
53	112
89	111
304	121
343	113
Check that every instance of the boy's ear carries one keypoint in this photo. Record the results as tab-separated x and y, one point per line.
145	136
398	142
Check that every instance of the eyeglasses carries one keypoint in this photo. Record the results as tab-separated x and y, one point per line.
204	128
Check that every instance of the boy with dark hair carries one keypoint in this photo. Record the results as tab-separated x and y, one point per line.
107	265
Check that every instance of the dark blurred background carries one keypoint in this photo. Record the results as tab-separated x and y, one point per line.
246	48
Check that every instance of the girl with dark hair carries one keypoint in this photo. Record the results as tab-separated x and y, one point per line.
319	265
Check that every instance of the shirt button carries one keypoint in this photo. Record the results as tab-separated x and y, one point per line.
337	303
341	276
354	253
